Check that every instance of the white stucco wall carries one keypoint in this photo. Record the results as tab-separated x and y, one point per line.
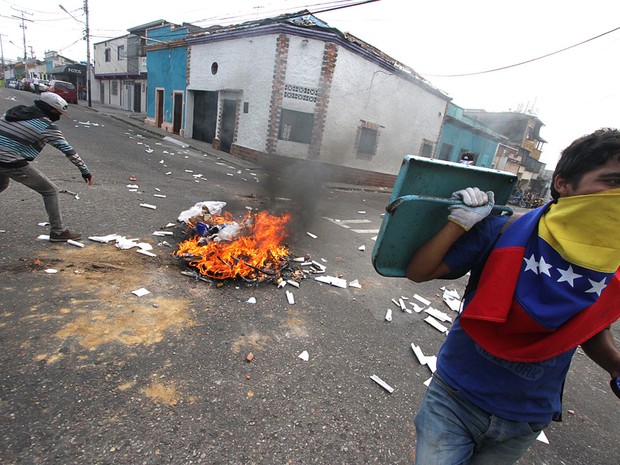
114	66
245	66
406	112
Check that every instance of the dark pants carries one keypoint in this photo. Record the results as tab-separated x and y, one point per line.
34	179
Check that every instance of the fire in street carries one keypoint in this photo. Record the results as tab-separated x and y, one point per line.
255	251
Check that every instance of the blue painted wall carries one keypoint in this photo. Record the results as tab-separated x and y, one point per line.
167	68
467	134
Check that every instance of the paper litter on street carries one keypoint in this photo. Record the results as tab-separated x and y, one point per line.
355	283
382	383
334	281
388	315
141	292
542	437
313	236
305	356
361	248
421	299
251	300
146	252
163	233
441	316
147	205
290	297
436	324
75	243
51	271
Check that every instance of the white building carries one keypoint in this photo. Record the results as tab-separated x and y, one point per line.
293	87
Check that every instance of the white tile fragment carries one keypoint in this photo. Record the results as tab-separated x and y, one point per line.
388	315
416	307
355	283
319	265
421	299
141	292
441	316
146	252
44	224
146	205
436	324
161	196
313	236
51	271
75	243
361	248
428	381
418	353
163	233
132	186
305	356
334	281
542	437
382	383
290	297
44	237
293	283
251	300
169	225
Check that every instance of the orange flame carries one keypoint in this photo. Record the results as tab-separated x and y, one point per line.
256	253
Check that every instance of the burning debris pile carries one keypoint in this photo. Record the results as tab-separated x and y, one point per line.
252	249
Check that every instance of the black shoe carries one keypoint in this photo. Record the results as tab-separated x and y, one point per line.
64	236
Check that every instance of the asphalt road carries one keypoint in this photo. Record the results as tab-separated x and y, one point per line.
92	374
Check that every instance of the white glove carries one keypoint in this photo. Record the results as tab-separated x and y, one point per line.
476	206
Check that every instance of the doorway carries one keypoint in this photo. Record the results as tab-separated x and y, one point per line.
137	97
205	115
177	112
159	107
229	116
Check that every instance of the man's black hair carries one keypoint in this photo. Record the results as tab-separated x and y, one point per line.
585	154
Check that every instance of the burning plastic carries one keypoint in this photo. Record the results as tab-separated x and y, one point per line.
252	249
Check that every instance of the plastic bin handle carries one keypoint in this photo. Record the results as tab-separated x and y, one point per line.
391	207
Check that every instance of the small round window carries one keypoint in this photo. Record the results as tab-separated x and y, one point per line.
214	67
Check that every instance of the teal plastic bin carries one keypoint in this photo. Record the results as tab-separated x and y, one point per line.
418	206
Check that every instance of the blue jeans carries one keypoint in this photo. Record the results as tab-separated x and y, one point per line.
453	431
33	178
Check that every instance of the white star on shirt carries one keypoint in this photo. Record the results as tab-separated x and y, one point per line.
531	264
597	287
569	276
544	267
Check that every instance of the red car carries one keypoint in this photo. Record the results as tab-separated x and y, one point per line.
65	89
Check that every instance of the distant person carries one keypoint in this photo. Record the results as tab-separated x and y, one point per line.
24	131
467	158
80	90
35	84
549	283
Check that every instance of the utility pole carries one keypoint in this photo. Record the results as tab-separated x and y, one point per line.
87	32
23	26
2	57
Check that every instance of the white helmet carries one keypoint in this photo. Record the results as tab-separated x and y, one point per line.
55	101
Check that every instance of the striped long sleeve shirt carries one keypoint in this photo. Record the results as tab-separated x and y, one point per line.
22	140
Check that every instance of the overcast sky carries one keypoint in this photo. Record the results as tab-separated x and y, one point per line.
573	92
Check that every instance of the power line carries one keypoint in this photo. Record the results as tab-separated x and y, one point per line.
526	61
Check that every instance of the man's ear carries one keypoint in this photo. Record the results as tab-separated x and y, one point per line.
561	185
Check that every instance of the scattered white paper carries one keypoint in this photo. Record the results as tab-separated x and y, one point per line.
305	356
147	205
75	243
146	252
382	383
436	324
141	292
441	316
355	283
421	299
334	281
44	224
251	300
44	237
388	315
104	239
293	283
51	271
361	248
542	437
163	233
313	236
290	297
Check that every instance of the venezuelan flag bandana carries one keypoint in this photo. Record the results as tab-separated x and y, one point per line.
552	280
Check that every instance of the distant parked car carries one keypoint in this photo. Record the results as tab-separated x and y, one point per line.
44	85
65	89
